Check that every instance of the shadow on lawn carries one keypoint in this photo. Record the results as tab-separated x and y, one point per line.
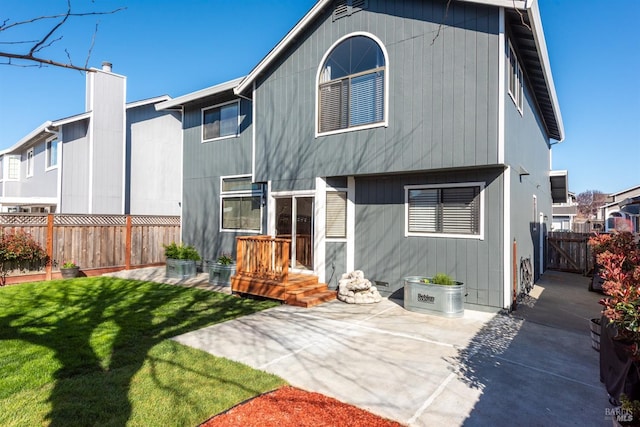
101	331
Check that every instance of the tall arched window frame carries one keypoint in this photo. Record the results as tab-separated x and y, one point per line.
352	85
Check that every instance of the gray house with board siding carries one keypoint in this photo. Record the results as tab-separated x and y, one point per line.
115	158
395	137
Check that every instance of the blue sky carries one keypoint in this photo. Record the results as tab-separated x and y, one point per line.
176	47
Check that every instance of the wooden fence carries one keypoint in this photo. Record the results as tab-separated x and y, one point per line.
97	243
569	252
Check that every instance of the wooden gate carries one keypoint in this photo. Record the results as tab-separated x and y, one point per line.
569	252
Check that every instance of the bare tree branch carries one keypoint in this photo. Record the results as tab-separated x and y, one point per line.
35	47
521	16
444	19
48	40
93	41
41	61
6	26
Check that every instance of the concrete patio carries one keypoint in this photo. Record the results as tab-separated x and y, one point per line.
534	367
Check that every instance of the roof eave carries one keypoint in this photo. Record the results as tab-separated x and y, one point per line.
282	45
543	54
199	94
28	138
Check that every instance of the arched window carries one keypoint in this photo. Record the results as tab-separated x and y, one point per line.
351	86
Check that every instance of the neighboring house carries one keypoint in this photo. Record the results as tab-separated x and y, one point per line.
115	158
396	137
564	214
622	210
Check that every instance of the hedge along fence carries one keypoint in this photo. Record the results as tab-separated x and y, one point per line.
96	243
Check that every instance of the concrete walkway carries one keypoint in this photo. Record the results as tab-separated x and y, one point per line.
158	274
535	367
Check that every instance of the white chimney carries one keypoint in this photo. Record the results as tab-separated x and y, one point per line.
106	66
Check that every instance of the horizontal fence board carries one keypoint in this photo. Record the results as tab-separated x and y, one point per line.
98	241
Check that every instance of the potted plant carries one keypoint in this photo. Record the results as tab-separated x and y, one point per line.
69	270
181	260
619	258
221	270
440	295
628	414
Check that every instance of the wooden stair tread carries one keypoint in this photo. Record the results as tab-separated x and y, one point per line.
314	299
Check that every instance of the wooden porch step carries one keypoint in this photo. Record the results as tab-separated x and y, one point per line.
302	290
313	299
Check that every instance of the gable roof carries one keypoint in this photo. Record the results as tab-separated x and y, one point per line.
44	130
531	42
50	127
199	94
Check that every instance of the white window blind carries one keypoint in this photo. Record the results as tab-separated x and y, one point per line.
367	99
451	210
336	213
351	87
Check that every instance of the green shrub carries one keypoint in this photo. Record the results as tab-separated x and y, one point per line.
225	259
175	251
441	279
19	251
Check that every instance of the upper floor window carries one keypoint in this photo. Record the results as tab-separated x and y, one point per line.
52	153
30	159
515	79
221	121
13	167
351	85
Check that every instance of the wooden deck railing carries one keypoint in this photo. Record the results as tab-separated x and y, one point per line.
263	257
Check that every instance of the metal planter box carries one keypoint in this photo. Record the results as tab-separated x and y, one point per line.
220	274
180	268
441	300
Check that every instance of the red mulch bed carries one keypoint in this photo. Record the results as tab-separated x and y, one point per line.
292	407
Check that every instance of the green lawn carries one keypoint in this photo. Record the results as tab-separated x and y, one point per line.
95	351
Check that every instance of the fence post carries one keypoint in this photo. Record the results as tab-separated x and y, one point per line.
127	244
49	266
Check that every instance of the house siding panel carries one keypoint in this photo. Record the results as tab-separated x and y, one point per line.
335	263
385	254
203	165
527	146
108	144
435	101
75	168
42	183
154	162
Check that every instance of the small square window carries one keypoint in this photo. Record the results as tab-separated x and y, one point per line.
447	210
220	122
52	153
13	167
515	79
30	160
336	215
240	204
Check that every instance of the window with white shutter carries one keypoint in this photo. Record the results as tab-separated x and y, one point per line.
453	209
336	211
351	90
